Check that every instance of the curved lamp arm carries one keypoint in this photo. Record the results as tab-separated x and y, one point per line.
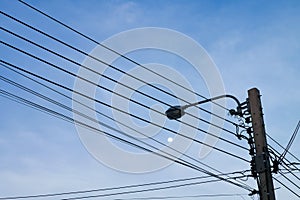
175	112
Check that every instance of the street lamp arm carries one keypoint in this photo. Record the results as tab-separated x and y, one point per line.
214	98
175	112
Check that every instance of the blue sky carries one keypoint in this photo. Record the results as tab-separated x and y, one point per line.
253	44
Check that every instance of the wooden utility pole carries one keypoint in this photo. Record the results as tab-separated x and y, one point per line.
262	161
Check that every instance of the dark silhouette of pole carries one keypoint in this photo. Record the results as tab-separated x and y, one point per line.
262	161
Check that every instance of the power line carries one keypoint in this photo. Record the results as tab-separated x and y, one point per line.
149	96
113	67
120	55
110	49
277	155
66	118
117	188
111	91
289	180
57	103
283	147
105	115
109	65
183	197
138	191
287	166
288	170
69	109
20	86
286	187
75	111
177	160
290	142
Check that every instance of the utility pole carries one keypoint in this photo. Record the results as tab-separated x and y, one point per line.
262	161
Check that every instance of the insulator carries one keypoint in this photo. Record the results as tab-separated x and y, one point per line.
249	130
251	152
248	120
253	167
250	141
275	166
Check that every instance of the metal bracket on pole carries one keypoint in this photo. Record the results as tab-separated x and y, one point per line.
260	163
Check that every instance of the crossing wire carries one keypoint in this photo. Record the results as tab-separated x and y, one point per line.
296	194
289	180
60	115
277	155
108	117
286	166
118	188
97	112
184	197
110	49
283	147
290	142
111	91
137	191
72	110
111	66
149	96
289	171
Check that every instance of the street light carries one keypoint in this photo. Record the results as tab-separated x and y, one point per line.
175	112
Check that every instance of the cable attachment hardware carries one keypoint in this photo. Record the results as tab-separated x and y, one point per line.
275	166
253	192
253	167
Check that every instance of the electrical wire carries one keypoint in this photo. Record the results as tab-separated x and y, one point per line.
277	154
286	187
75	111
69	109
113	67
138	191
116	188
20	86
99	43
183	197
289	180
289	171
65	107
69	119
286	167
109	65
227	153
110	49
115	137
149	96
288	152
290	142
106	116
111	91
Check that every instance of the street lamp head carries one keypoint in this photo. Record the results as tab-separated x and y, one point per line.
175	112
